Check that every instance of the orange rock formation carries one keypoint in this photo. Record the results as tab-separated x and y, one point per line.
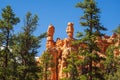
60	49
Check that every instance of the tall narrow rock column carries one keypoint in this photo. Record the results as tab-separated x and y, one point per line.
50	33
51	48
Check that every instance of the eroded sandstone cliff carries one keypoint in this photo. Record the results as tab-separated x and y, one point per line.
60	49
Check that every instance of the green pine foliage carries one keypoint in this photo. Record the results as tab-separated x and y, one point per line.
90	20
46	64
27	45
18	51
73	64
6	56
112	62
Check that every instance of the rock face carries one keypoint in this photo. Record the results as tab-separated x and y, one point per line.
60	49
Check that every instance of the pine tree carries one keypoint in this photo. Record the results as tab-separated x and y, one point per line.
6	28
46	64
26	49
112	61
72	68
90	20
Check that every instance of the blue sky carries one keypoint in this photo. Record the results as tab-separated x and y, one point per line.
59	13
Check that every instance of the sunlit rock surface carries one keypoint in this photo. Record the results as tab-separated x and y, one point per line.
60	49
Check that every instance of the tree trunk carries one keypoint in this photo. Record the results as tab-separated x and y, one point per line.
90	69
45	74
